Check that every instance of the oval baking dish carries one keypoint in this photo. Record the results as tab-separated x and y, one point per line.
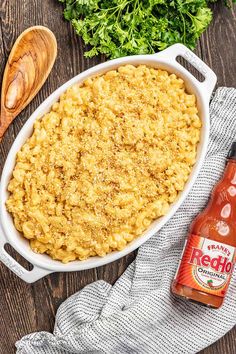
43	264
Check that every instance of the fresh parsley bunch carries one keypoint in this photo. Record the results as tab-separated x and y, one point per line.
118	28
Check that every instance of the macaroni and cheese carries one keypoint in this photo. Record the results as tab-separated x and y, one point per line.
106	161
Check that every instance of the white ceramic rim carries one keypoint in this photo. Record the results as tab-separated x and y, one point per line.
43	264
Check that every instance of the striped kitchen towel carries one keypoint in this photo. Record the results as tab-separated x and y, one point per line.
139	314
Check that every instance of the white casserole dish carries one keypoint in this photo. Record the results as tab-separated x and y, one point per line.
42	263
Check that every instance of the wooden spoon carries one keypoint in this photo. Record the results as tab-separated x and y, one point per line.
28	66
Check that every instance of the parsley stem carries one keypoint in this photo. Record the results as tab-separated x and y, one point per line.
184	24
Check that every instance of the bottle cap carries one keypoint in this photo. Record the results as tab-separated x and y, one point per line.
232	151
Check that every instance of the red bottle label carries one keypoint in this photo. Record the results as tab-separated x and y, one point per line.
206	265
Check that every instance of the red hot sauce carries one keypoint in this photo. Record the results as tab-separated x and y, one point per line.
208	257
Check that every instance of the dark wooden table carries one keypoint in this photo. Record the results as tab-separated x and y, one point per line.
28	308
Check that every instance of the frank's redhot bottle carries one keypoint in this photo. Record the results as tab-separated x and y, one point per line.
208	258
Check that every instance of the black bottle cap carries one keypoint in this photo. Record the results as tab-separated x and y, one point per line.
232	151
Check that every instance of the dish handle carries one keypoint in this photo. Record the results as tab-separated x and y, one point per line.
170	54
28	276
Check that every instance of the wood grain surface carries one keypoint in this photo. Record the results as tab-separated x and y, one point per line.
27	308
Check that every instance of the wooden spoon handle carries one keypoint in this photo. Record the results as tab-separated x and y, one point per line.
5	120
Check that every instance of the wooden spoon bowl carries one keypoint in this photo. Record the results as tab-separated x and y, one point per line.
28	66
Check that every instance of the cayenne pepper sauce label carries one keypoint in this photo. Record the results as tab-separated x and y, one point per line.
206	265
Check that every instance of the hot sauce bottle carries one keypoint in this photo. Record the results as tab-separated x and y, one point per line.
208	258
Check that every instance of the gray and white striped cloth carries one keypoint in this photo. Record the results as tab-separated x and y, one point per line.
138	314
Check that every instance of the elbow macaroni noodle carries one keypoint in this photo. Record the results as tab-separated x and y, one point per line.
106	161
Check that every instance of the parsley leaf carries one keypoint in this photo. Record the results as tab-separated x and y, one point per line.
124	27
